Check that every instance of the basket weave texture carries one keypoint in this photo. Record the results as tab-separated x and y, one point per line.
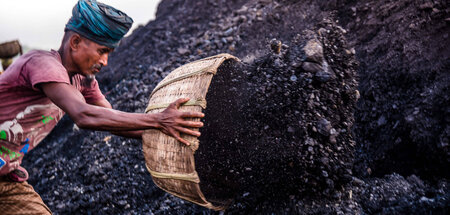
10	49
171	163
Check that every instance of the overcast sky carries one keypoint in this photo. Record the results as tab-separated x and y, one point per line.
40	23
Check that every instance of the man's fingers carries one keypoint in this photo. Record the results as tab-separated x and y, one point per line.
192	114
188	131
181	101
191	124
173	123
183	141
176	135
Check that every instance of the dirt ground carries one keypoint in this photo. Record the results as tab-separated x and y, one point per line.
388	150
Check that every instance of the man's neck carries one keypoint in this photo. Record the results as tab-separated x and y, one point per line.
67	62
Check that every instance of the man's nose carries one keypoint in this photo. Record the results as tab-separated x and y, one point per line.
104	59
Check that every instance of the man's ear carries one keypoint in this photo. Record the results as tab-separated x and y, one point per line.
74	41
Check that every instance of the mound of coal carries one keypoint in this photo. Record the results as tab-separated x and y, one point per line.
403	54
402	119
281	125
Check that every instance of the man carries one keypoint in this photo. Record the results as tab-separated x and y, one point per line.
40	86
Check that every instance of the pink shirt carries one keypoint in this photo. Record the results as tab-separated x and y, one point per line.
27	115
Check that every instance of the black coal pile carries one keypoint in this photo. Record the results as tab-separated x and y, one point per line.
281	125
401	120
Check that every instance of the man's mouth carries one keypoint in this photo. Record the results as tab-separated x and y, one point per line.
96	68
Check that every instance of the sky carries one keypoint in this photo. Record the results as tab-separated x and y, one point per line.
40	23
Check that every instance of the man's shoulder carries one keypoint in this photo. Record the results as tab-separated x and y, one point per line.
41	67
19	68
43	60
42	55
36	59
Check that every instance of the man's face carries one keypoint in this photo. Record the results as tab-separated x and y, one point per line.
90	57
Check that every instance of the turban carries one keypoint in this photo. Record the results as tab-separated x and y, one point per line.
99	22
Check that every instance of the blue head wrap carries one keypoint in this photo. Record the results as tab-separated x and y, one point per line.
99	22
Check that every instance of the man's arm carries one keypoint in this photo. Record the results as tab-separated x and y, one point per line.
132	134
86	116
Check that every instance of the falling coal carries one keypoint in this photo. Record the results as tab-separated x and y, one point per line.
281	124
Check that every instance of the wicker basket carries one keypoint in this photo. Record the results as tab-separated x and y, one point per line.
171	163
10	49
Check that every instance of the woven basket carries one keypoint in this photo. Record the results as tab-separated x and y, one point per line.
10	49
170	162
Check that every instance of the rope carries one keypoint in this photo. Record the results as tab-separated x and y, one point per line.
197	102
163	84
192	177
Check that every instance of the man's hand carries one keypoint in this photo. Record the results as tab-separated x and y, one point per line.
171	121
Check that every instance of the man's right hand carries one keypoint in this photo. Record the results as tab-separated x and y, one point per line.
172	121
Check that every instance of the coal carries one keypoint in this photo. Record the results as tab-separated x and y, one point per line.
261	130
401	121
